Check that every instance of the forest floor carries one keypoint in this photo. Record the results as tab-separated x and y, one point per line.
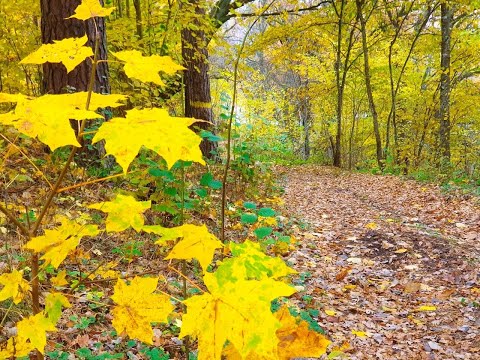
393	264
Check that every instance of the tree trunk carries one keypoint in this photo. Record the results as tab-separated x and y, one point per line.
196	80
444	113
127	8
337	158
120	8
138	18
56	26
368	84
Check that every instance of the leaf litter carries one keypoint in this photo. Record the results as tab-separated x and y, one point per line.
392	264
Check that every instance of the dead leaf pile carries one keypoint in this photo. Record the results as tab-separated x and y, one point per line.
393	265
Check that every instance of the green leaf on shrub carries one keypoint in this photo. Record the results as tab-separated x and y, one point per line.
201	192
168	175
210	136
249	205
249	218
266	212
208	180
215	184
263	232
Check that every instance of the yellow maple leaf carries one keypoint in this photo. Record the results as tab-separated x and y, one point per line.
296	339
371	226
250	262
235	311
168	136
89	9
31	334
60	279
13	98
361	334
137	307
53	306
123	211
195	242
14	286
146	68
48	117
426	308
70	52
330	312
57	244
106	271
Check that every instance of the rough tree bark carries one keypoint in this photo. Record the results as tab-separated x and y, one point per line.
195	57
56	26
195	78
138	18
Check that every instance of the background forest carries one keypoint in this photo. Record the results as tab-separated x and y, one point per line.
381	85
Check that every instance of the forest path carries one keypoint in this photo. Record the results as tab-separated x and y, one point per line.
392	264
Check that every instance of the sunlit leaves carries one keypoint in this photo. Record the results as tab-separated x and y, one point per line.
32	334
250	262
48	117
70	52
137	306
195	242
155	129
123	211
235	311
14	286
58	243
296	340
91	8
146	68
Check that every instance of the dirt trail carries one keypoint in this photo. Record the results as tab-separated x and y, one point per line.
392	265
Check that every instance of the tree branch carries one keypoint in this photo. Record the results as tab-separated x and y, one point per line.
289	11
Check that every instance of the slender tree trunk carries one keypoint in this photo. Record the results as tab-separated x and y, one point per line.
120	8
368	84
444	113
196	80
352	134
127	8
337	156
138	18
56	26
